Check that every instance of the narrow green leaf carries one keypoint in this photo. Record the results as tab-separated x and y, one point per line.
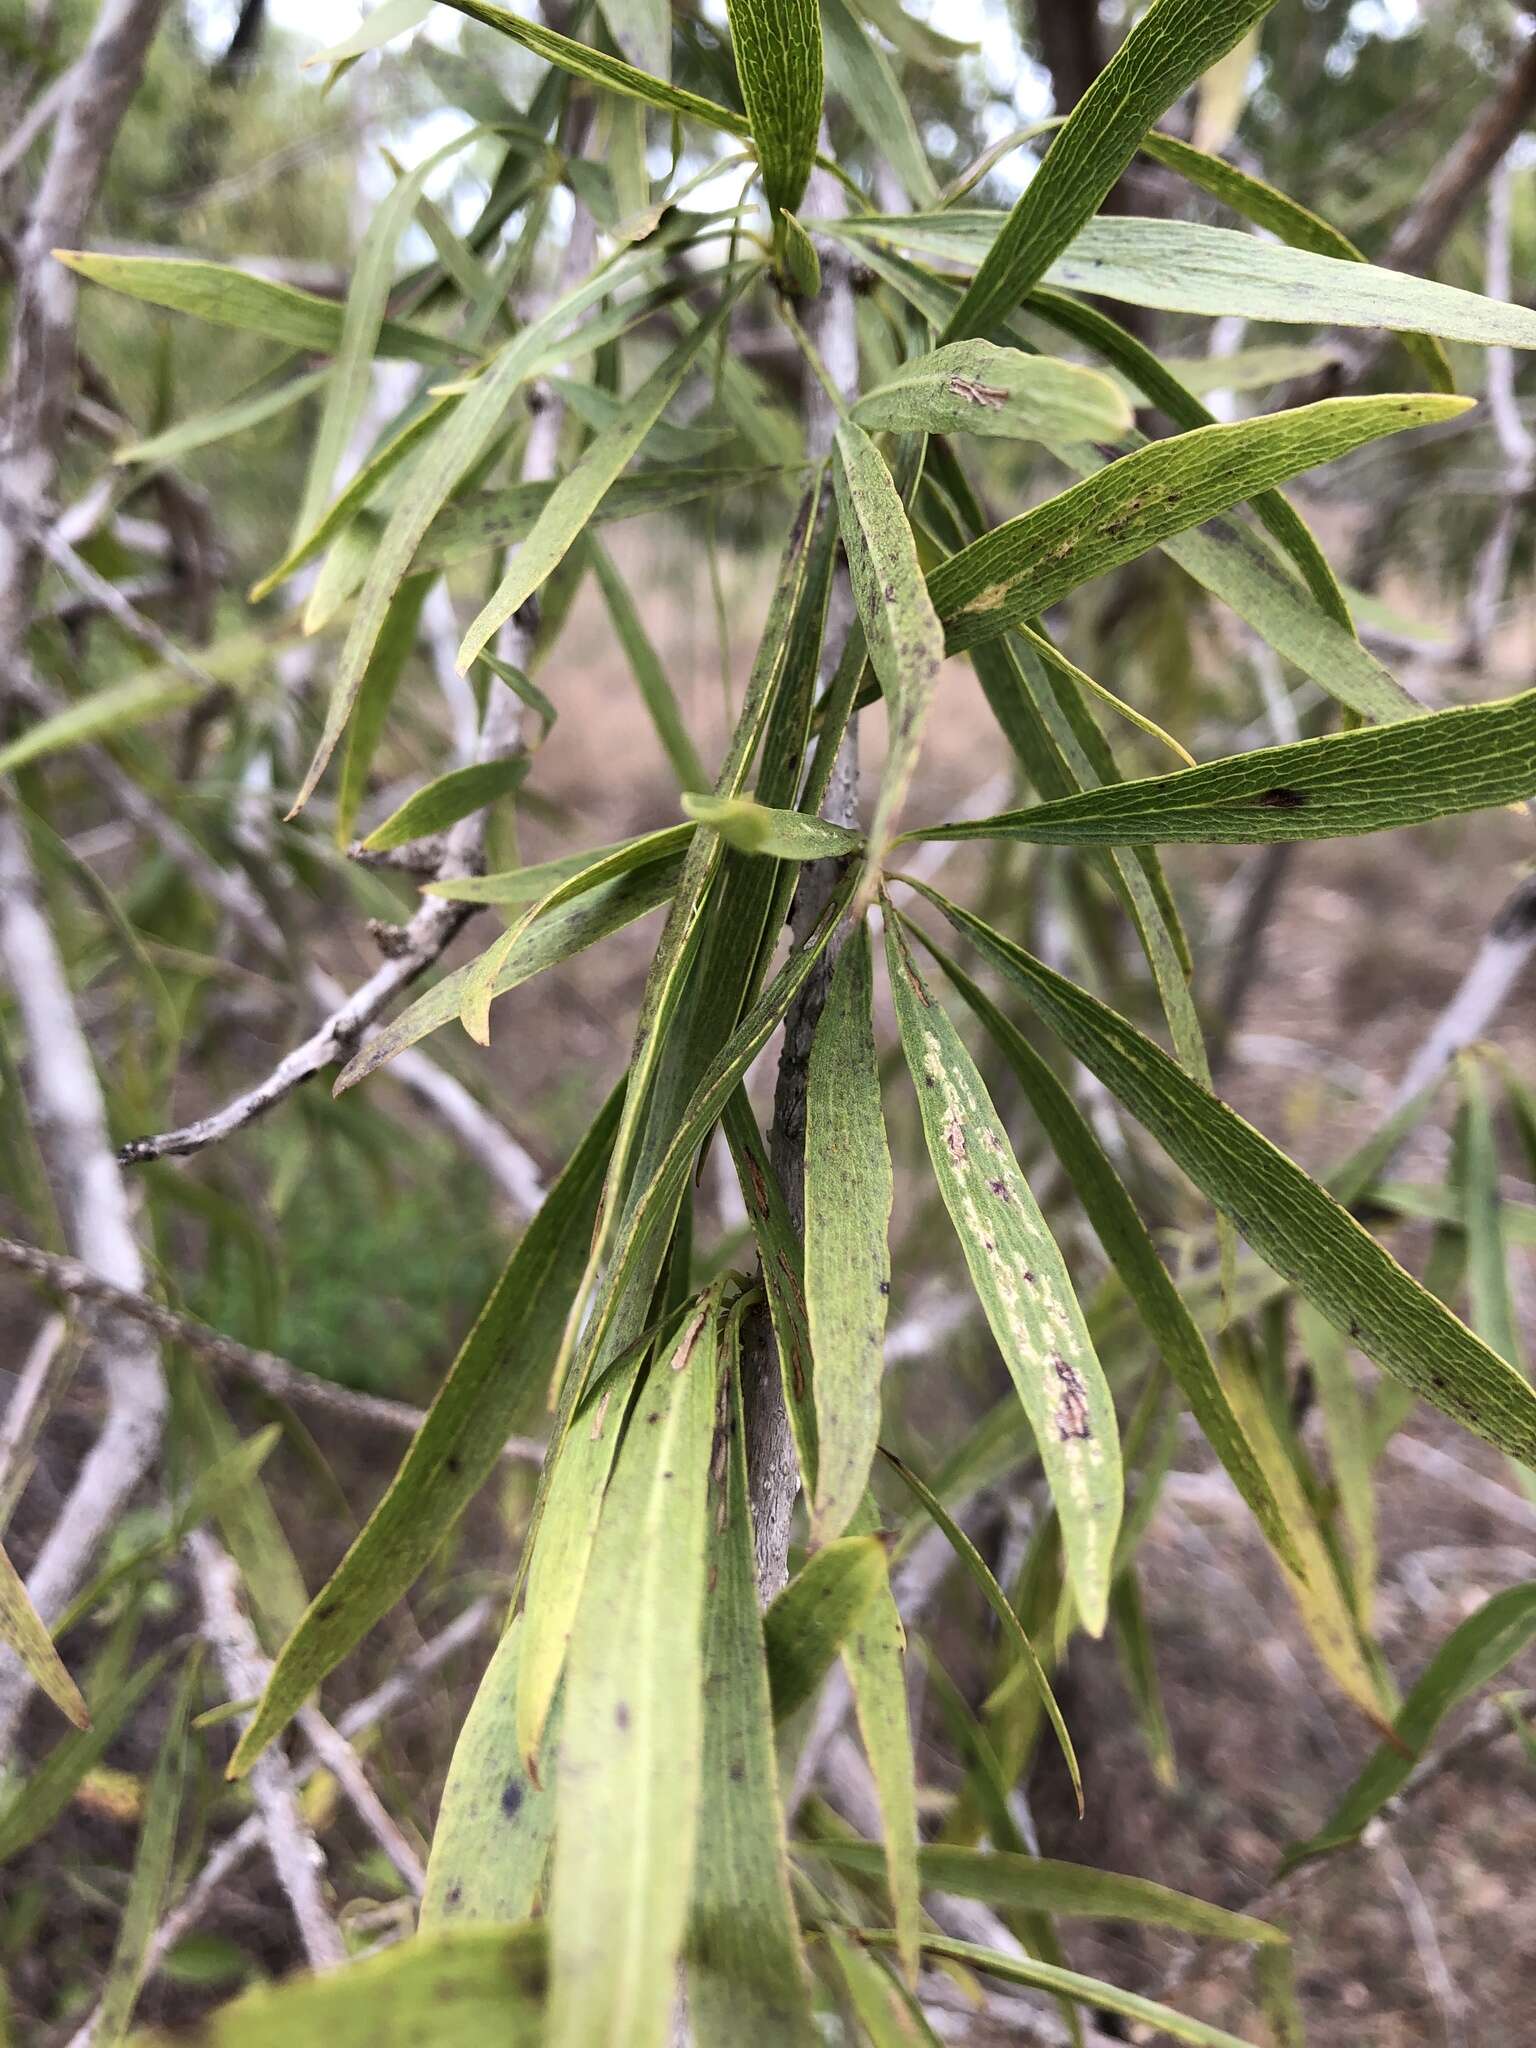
1133	1639
456	433
533	884
120	707
778	61
643	31
450	797
493	1828
808	1622
38	1800
502	1362
629	1777
578	494
1021	1282
204	429
874	1659
1030	563
655	688
1492	1305
1471	1655
600	69
758	828
975	387
998	1601
746	1969
1072	1890
1165	52
1188	267
392	650
578	925
916	39
887	2012
150	1883
1346	1429
666	441
379	26
1468	757
905	638
1051	654
866	82
225	297
795	257
483	977
459	1988
22	1630
1293	1223
1087	1991
848	1194
1129	1246
1282	216
351	379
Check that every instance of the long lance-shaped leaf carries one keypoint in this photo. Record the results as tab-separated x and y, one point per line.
38	1800
1224	556
874	1659
651	678
1293	1224
577	496
494	1826
1192	268
1092	1992
503	1362
1295	225
752	827
1166	51
1347	1432
225	297
577	925
392	650
1472	1654
600	69
778	61
238	417
745	1965
1470	757
793	588
1490	1302
975	387
811	1618
865	81
1326	1612
1188	267
715	1088
629	1777
1128	1244
445	800
557	1572
1022	1283
997	1600
484	975
848	1194
905	638
460	1987
1075	1890
1029	564
458	434
151	1879
22	1630
886	2010
351	377
533	883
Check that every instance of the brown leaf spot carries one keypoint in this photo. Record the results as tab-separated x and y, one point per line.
511	1798
1071	1404
621	1715
976	393
1283	799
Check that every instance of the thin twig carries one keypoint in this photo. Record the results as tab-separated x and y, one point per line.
297	1857
263	1369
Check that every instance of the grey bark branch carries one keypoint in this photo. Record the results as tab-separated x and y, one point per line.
296	1855
263	1369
